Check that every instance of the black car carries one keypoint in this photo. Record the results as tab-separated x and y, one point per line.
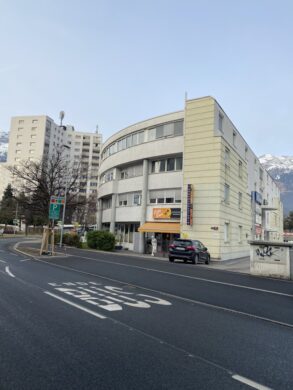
192	250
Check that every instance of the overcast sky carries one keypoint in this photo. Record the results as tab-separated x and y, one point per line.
117	62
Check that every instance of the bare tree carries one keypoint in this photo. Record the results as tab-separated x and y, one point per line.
39	180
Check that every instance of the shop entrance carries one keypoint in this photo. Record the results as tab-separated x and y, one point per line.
163	242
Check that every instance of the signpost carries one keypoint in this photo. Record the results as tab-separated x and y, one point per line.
54	213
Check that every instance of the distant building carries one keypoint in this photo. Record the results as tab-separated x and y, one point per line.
187	173
33	137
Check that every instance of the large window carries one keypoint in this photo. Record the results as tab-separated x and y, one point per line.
106	203
124	143
166	130
165	196
167	165
131	171
161	131
129	199
107	176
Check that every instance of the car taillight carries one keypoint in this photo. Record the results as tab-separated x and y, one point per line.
190	248
172	246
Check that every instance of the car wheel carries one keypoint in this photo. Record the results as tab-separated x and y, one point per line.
195	259
208	260
171	259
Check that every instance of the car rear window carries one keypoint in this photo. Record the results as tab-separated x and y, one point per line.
182	243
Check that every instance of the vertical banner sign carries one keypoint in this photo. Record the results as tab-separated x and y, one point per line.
189	205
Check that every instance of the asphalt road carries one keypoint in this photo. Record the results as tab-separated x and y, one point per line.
90	320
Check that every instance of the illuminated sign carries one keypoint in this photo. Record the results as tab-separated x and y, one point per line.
166	213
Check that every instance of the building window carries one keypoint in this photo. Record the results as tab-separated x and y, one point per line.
107	176
226	193
221	119
106	203
34	121
234	137
240	169
166	130
167	165
32	144
17	152
129	199
131	171
20	129
33	136
34	129
227	156
240	200
239	234
19	136
137	199
260	174
226	231
21	121
165	196
31	152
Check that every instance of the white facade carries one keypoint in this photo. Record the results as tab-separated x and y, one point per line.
33	137
146	168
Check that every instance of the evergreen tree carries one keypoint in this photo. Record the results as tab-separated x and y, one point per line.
8	206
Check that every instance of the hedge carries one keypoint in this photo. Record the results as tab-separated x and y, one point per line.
102	240
70	239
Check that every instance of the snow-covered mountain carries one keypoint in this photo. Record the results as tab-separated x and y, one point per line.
281	169
3	145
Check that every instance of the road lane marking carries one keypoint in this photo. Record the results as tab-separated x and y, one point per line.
250	383
189	277
7	270
75	305
108	298
24	259
169	295
13	254
2	261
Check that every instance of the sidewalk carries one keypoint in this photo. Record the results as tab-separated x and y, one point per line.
235	265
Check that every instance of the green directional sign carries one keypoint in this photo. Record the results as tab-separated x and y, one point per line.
54	211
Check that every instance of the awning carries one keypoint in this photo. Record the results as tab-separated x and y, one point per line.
160	227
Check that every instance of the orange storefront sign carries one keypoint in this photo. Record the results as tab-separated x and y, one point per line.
162	213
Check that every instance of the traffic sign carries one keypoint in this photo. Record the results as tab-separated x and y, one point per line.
54	211
15	222
57	200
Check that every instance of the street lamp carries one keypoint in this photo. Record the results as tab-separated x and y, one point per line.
64	205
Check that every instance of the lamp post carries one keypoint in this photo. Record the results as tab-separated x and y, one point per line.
64	205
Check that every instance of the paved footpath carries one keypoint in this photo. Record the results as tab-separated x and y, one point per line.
94	320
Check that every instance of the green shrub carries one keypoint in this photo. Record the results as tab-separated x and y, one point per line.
70	239
102	240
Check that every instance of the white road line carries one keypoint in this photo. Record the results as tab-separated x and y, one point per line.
24	259
188	277
250	383
7	270
2	261
13	254
75	305
221	308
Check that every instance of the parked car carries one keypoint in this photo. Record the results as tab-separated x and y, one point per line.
192	250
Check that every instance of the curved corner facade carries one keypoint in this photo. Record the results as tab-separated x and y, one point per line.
190	174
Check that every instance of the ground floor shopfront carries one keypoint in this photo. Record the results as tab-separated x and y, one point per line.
164	232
